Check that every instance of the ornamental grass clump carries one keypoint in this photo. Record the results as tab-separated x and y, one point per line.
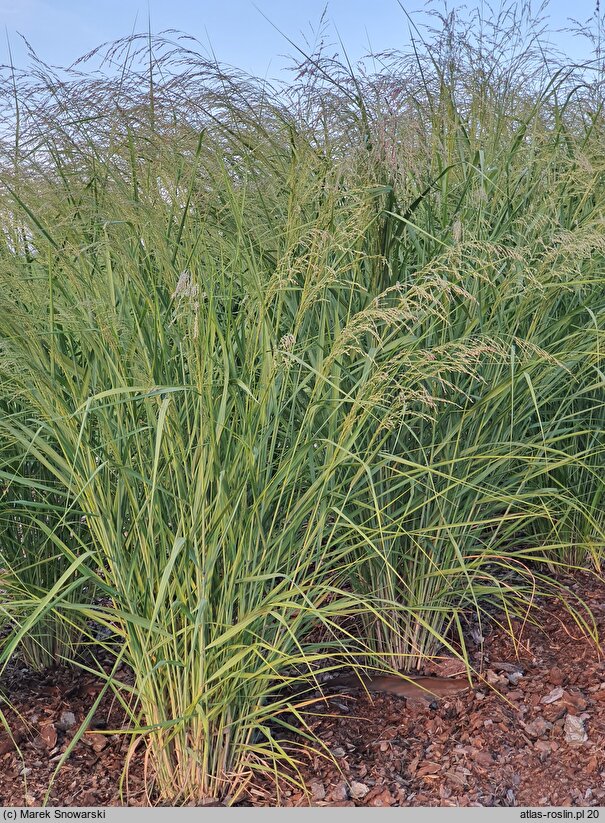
202	420
294	378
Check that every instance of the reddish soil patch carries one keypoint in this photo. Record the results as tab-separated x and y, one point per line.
530	733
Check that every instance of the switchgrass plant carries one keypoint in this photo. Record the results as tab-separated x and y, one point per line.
316	370
203	423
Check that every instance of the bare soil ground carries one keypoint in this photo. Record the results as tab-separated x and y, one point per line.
530	732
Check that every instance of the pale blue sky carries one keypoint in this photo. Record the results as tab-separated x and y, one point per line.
62	30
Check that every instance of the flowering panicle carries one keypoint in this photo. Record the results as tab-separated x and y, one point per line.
186	288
